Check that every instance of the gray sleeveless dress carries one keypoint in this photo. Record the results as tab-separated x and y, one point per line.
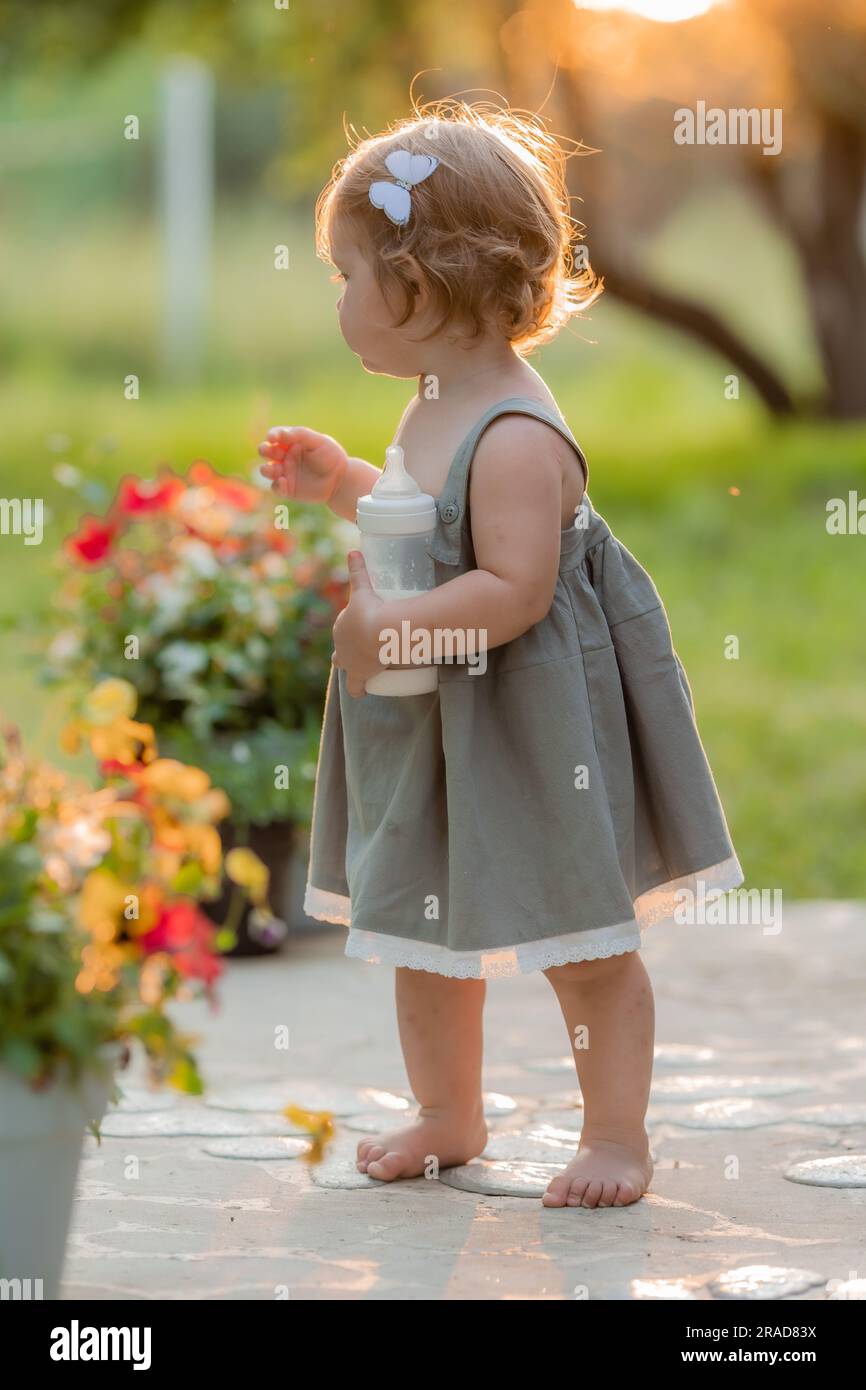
542	812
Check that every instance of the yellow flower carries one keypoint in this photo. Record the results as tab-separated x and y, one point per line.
204	842
247	870
109	700
120	741
168	777
319	1124
100	906
193	840
100	968
215	805
152	976
70	736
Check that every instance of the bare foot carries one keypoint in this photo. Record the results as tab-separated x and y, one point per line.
404	1153
605	1173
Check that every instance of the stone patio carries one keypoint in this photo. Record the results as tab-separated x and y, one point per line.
760	1038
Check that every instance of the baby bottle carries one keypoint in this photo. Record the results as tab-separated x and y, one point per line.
397	520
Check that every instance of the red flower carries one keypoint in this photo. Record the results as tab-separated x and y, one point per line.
92	542
280	541
231	545
229	490
187	935
135	495
113	767
336	591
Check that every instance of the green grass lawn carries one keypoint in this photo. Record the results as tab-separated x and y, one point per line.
784	724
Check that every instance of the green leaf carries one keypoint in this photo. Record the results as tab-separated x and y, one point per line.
21	1057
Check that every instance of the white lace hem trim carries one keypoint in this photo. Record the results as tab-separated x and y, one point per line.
657	904
327	907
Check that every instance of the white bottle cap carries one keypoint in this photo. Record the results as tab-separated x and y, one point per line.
396	505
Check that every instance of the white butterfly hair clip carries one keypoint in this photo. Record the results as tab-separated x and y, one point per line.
408	170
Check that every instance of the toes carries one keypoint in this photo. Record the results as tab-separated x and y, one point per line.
576	1191
608	1194
627	1192
368	1149
557	1191
387	1167
592	1194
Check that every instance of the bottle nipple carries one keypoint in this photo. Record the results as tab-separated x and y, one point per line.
394	480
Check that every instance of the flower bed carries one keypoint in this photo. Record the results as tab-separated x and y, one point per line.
217	607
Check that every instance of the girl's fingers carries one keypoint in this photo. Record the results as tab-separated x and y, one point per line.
272	451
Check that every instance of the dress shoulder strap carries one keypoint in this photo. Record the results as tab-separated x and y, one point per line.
453	522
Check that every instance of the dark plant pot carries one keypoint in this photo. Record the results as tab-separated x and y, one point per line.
274	844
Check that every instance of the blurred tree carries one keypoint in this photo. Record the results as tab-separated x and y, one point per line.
614	82
806	58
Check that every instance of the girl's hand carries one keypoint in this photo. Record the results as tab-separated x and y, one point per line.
302	463
356	631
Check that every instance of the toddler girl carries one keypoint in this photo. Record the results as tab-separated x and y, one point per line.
543	806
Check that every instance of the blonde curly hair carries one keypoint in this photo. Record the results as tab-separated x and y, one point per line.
490	228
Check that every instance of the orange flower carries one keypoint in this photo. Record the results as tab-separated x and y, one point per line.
100	968
168	777
126	741
232	491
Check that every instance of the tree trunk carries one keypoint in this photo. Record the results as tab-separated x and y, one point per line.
835	271
626	282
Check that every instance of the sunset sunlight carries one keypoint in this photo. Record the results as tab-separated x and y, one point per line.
665	11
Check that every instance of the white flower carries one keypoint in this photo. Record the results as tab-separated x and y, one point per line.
66	475
169	596
256	648
65	646
267	611
198	557
274	565
179	661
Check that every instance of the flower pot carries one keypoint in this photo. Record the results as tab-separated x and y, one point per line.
40	1149
274	844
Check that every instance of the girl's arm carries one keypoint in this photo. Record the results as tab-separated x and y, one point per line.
357	479
516	507
313	467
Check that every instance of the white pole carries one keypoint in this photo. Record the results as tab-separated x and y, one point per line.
187	212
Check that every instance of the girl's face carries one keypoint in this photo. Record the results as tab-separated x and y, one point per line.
366	319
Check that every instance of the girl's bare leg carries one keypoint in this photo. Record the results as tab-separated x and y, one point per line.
440	1022
610	1001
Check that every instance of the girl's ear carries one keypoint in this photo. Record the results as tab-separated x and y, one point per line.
418	281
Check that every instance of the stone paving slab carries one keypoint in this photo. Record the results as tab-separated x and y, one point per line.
158	1217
